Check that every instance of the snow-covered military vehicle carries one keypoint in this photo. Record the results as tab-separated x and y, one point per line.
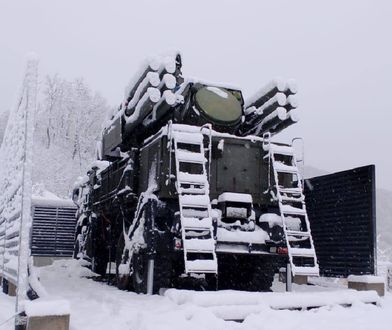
189	189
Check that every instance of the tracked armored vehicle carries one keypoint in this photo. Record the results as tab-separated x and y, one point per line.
189	189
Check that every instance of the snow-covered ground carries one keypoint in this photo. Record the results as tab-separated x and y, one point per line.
96	305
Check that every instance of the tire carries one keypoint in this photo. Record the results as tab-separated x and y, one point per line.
99	264
123	280
261	277
162	272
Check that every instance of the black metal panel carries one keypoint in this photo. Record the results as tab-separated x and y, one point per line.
53	231
341	209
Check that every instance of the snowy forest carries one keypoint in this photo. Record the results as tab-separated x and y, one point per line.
68	123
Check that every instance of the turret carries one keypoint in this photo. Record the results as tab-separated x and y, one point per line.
159	94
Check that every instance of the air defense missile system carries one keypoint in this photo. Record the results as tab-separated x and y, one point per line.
189	189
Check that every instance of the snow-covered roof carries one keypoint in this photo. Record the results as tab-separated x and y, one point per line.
43	197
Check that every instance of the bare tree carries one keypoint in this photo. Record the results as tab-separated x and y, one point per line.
68	123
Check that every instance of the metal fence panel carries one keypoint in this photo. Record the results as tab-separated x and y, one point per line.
341	209
53	231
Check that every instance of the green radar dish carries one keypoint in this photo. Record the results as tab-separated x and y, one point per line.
218	105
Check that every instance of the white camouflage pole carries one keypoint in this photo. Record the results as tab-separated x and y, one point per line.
30	93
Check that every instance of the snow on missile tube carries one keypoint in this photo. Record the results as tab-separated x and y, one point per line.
146	82
154	62
152	78
168	64
278	98
168	80
292	100
152	94
249	110
151	64
292	86
277	83
170	97
280	114
293	114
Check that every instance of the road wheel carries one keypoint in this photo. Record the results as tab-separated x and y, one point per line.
140	271
261	277
246	273
162	272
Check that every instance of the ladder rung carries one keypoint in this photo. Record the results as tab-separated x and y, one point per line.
280	167
195	213
309	271
199	245
188	178
290	190
189	138
291	199
195	223
302	252
192	190
281	150
297	233
190	157
194	200
288	209
201	266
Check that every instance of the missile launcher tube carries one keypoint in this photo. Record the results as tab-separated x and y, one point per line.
270	121
276	86
151	80
142	109
292	118
151	66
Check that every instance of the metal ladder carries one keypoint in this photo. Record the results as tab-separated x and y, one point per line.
291	205
194	201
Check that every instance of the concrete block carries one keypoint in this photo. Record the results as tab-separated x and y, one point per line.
282	275
297	279
50	322
11	289
39	261
367	283
300	279
47	314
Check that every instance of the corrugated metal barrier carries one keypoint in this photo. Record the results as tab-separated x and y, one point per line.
53	230
341	209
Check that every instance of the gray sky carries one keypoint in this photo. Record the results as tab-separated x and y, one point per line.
340	53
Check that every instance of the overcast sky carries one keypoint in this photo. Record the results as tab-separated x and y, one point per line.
340	53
